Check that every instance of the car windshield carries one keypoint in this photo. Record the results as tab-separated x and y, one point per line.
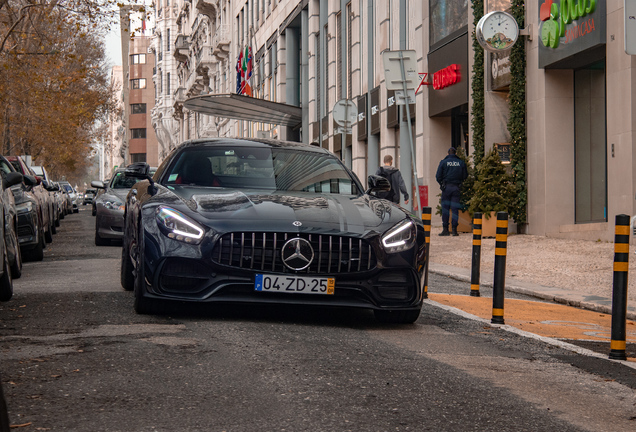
120	181
261	168
38	170
67	187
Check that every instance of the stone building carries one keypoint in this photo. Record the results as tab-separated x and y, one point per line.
308	55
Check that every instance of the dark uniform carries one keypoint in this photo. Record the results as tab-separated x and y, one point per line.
451	173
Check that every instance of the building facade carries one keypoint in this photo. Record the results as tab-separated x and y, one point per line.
298	60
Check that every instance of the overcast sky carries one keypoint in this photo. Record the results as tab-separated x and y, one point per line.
113	46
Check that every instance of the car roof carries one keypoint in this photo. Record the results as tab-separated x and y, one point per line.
250	142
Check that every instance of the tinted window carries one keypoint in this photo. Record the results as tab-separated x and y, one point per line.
261	168
120	181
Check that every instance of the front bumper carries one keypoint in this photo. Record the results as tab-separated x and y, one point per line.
183	272
110	223
28	229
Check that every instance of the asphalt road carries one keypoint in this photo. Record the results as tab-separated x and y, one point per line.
75	357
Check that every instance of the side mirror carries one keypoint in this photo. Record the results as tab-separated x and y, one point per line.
141	170
11	179
138	170
30	180
378	184
98	184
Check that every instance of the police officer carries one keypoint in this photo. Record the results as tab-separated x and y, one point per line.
451	173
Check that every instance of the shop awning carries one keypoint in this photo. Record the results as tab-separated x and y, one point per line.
247	108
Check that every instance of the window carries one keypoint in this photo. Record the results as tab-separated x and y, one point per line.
137	157
138	133
446	18
168	83
138	83
138	59
138	108
168	40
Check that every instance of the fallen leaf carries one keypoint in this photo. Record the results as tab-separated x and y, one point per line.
20	425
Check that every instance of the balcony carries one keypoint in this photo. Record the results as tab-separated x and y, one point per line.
205	60
181	48
221	42
207	7
180	95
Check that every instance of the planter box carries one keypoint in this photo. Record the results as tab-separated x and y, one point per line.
465	222
489	226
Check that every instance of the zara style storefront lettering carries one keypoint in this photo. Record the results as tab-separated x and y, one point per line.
565	19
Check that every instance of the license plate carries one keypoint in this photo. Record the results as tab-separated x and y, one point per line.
294	284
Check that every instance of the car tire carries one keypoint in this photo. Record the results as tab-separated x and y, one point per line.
53	229
48	236
94	211
57	221
127	275
100	241
6	281
396	317
37	254
16	267
142	305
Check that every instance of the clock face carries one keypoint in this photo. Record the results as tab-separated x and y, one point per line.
497	31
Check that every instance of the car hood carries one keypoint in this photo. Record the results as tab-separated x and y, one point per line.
119	193
283	211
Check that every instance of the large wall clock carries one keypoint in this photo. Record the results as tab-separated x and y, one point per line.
497	31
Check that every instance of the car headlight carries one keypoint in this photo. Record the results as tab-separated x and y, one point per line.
400	237
177	226
113	203
25	207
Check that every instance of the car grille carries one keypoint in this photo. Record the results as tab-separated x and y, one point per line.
25	231
262	252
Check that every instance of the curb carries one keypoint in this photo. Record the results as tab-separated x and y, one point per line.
557	295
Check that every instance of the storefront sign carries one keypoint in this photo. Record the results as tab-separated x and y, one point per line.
569	27
499	76
451	91
375	110
362	117
446	77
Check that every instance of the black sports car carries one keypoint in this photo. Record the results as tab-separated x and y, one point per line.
263	221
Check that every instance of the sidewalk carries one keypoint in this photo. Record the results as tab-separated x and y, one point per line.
575	275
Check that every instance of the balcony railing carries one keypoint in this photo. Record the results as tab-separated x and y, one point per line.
221	41
181	48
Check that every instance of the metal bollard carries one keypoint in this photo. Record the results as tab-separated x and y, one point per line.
426	220
619	294
476	262
501	244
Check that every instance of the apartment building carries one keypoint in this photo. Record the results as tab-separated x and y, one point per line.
276	68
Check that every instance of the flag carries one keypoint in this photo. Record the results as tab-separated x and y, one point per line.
239	73
247	88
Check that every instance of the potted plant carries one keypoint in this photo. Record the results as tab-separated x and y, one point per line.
492	191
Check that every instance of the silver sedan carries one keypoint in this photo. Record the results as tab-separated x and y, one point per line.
109	208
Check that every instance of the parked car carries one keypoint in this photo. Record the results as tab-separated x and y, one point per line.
51	188
264	221
109	207
89	195
72	198
40	194
10	248
97	195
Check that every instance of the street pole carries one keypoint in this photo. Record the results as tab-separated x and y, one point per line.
408	118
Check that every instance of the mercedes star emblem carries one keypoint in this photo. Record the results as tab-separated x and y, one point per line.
297	254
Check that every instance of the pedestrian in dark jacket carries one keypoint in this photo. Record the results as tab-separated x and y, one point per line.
451	173
395	178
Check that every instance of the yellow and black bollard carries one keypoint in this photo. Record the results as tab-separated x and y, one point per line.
426	220
619	293
501	245
476	263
